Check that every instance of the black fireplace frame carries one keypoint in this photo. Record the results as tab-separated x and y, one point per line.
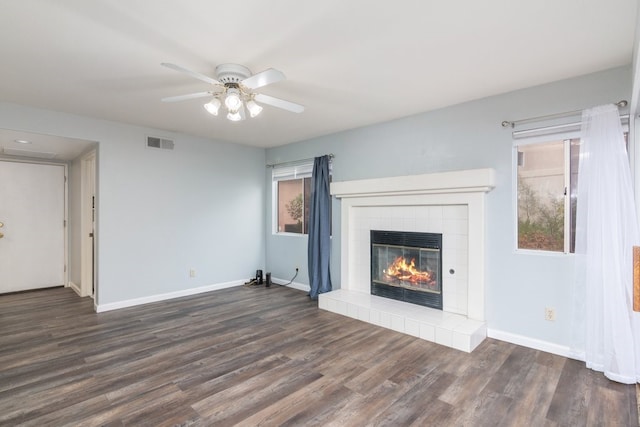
413	240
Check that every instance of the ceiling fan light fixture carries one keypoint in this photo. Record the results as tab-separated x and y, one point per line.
254	109
213	106
232	101
234	116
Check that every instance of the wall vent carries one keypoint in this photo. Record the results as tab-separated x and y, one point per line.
162	143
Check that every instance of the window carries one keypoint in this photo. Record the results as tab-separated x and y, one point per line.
293	205
547	185
292	198
543	170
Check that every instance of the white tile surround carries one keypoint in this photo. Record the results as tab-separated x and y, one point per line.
451	203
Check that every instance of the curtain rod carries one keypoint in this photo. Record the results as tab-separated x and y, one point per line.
294	162
513	123
525	132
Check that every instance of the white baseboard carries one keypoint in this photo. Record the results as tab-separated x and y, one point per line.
162	297
294	285
75	288
560	350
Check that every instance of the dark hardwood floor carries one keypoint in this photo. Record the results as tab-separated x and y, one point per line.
268	356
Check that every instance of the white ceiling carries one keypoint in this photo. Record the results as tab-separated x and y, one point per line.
39	146
351	63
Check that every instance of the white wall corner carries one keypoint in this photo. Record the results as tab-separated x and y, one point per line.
75	288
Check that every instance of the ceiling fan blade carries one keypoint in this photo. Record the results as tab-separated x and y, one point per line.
263	78
191	73
187	96
280	103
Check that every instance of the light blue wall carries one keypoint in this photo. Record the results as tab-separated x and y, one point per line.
162	213
464	136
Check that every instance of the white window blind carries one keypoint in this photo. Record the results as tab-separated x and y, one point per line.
284	173
564	131
301	170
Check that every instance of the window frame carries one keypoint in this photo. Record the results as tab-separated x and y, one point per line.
541	138
566	138
288	173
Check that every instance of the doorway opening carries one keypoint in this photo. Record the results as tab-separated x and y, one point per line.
79	159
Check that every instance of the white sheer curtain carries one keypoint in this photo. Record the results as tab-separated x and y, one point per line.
605	325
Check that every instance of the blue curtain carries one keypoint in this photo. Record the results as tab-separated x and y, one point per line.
319	249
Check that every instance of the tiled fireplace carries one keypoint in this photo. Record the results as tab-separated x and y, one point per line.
450	204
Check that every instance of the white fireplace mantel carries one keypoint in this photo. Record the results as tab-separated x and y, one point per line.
465	181
461	193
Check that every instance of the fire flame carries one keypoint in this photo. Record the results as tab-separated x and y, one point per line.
401	270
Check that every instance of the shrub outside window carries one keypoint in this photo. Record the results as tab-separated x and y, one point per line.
547	188
292	198
293	205
543	170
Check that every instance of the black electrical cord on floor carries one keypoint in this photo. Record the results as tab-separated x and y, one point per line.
291	281
251	282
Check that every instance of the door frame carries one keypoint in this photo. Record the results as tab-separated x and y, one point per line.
65	203
88	217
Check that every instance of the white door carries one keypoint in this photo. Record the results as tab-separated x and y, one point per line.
32	211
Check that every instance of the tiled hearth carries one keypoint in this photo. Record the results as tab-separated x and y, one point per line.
441	327
451	203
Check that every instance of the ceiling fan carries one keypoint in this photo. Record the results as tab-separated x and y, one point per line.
234	87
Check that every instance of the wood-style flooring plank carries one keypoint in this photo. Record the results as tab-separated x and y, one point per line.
268	356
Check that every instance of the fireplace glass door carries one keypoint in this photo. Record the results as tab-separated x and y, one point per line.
407	266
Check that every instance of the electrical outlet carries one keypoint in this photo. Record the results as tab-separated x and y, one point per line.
192	273
549	314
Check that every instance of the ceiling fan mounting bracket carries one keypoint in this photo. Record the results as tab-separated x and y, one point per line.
232	73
